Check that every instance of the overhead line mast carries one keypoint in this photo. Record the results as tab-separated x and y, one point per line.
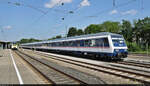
114	3
142	6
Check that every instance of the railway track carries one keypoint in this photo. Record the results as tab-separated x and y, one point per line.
143	78
53	75
134	63
58	75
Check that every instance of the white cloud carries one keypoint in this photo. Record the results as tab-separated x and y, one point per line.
130	12
7	27
53	3
85	3
113	12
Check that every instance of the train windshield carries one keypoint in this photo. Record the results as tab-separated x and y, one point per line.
118	41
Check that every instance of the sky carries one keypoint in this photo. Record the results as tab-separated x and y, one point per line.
43	19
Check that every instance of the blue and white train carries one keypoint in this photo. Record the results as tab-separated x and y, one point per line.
102	45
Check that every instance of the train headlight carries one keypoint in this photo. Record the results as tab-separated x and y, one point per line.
125	50
117	50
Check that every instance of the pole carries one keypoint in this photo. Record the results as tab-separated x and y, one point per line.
147	48
142	6
66	31
114	3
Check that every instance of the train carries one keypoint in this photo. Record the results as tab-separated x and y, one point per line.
14	46
104	45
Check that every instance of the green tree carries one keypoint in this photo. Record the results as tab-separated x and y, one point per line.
127	30
80	32
28	40
110	26
142	31
72	32
93	28
56	37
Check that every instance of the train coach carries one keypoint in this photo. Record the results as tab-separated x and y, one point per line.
101	45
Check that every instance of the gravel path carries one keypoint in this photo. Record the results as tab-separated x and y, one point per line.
138	57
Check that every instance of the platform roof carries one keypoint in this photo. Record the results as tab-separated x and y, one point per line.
4	41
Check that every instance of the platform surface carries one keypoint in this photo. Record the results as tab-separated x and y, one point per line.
8	73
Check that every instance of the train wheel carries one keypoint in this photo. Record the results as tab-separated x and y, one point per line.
121	60
96	56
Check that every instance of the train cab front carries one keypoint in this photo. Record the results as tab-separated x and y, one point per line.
120	47
120	53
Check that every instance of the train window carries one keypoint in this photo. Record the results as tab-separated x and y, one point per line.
74	43
81	43
39	45
70	43
64	44
102	42
78	43
116	36
53	44
118	43
45	44
49	44
92	43
67	43
106	43
59	44
56	44
99	42
87	43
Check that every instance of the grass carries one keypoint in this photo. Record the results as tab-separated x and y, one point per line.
140	52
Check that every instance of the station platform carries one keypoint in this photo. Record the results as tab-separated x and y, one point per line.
13	70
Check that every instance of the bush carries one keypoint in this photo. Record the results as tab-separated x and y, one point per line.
133	47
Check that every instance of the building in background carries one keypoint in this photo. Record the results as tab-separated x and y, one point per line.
5	45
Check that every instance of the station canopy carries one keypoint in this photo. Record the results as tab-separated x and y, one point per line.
4	41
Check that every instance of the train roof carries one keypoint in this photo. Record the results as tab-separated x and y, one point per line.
75	37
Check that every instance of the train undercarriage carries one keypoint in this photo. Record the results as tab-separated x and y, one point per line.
93	55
